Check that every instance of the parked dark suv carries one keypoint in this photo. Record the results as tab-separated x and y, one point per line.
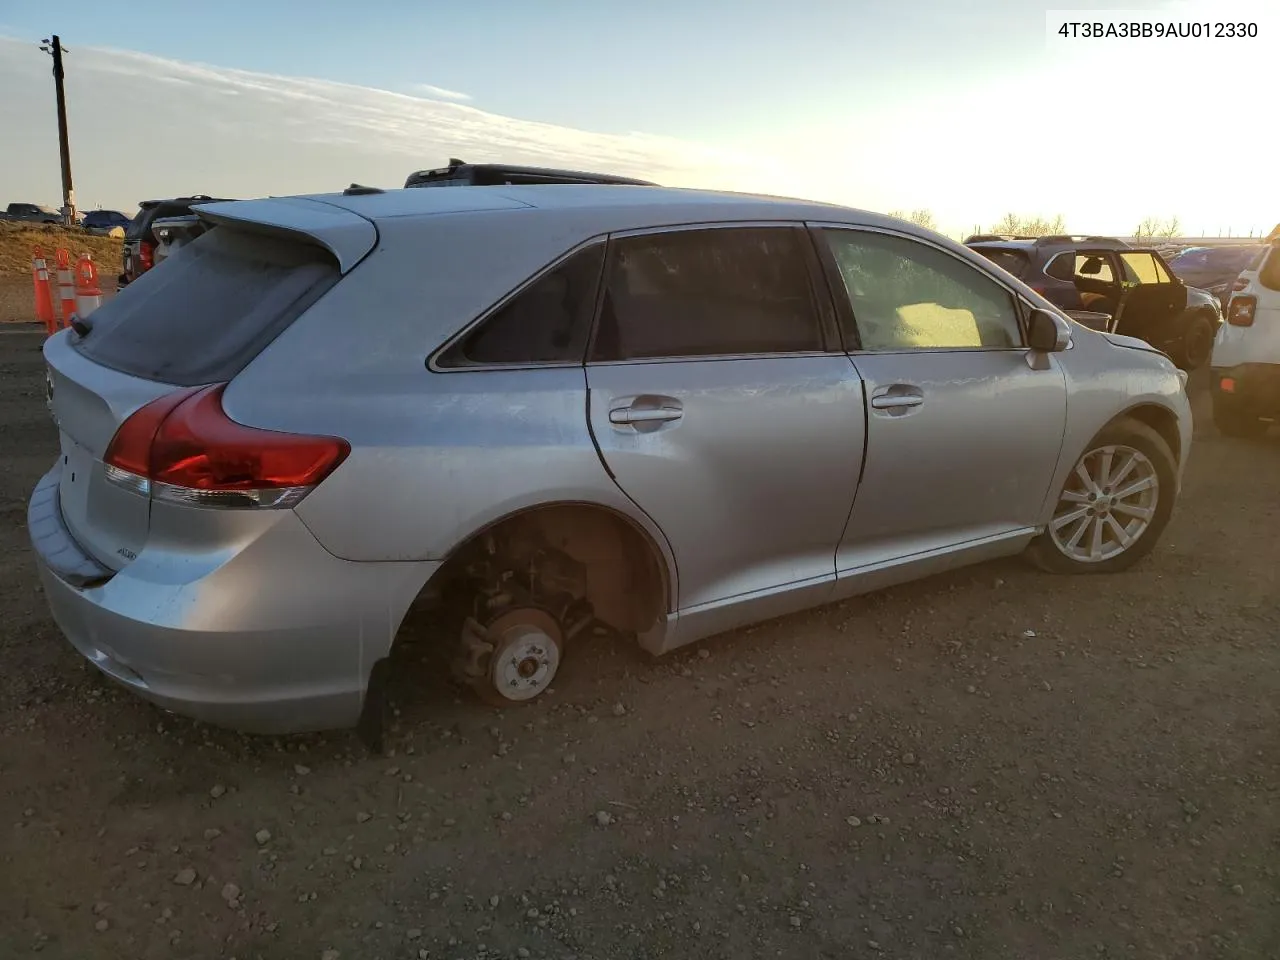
140	243
31	213
1105	275
459	174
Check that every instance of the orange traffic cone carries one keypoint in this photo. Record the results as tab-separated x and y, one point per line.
88	293
44	291
66	286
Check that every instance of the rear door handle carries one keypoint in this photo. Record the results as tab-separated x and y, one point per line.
645	415
896	401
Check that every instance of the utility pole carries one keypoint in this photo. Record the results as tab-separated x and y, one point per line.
54	46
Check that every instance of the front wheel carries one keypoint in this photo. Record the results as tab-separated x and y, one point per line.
1113	506
1197	344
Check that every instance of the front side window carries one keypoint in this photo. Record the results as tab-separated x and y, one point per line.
906	295
546	322
708	292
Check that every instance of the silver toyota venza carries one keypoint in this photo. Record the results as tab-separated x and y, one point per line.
569	410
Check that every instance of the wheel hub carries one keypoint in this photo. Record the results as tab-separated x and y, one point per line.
526	654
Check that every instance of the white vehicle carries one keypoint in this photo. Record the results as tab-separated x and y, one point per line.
1245	368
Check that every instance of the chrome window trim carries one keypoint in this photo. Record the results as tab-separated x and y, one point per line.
1016	297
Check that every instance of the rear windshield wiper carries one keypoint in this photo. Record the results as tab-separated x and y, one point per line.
83	326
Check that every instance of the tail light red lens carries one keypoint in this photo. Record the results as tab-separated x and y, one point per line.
183	447
146	255
1241	311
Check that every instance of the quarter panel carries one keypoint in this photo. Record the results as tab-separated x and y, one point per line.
448	454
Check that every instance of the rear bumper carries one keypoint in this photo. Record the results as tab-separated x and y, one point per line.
1255	387
276	636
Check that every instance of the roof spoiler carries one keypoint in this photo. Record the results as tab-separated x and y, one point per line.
347	236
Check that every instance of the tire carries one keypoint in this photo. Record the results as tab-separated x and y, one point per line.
1232	420
1196	344
1054	551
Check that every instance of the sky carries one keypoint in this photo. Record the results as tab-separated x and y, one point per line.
969	109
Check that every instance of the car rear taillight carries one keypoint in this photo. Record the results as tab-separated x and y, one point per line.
146	255
1241	311
183	448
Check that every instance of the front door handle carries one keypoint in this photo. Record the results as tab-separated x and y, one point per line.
896	401
645	415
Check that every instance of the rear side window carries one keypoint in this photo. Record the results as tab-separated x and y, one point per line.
694	293
546	322
1062	267
1014	261
207	311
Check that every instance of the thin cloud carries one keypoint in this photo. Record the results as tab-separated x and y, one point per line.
439	93
143	126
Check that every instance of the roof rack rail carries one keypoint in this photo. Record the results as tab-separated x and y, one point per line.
458	173
1079	238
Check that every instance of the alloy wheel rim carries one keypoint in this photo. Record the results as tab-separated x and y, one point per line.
1108	503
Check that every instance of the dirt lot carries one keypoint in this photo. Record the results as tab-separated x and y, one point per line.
991	764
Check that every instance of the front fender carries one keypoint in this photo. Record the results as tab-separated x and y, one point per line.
1106	381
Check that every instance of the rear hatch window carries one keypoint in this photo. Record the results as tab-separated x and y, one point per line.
1014	261
209	309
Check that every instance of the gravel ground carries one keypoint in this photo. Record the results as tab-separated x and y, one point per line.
992	764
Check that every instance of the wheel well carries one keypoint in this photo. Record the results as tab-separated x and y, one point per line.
1162	421
592	552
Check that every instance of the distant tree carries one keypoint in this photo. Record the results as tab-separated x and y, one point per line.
920	217
1155	227
1012	223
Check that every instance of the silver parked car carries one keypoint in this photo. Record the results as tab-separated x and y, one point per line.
663	413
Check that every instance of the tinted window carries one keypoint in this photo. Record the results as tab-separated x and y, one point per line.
703	292
546	322
907	295
1062	267
210	310
1015	261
